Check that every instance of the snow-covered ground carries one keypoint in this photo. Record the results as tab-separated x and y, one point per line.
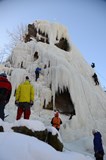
17	146
77	149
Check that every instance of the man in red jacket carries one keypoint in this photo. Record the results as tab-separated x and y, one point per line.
5	93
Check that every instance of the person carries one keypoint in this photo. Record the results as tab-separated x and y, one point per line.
22	65
56	121
93	65
98	147
5	93
24	99
37	71
95	79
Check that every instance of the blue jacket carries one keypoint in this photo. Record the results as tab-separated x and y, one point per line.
38	70
98	143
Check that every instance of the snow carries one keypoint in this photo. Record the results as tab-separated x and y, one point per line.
58	30
16	146
69	70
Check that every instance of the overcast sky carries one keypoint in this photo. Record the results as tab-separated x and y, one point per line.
84	19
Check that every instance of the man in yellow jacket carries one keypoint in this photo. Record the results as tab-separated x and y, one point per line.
24	99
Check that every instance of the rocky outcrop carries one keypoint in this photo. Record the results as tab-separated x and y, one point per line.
63	103
41	36
54	141
41	135
63	44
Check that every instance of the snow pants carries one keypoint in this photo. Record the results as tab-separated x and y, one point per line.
24	108
37	76
2	107
99	156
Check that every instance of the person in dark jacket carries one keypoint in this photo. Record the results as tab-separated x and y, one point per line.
37	71
5	93
95	79
98	147
56	121
93	65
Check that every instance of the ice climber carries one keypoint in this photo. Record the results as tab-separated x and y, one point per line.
24	99
37	71
5	93
56	121
95	79
98	147
93	65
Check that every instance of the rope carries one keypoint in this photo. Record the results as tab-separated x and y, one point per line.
67	148
101	77
101	104
87	102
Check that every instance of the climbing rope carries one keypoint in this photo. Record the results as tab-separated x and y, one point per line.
87	102
101	77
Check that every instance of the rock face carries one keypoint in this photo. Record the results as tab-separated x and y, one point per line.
34	31
45	136
54	141
63	103
63	44
41	135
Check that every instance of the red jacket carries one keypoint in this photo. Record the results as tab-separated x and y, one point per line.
56	121
5	89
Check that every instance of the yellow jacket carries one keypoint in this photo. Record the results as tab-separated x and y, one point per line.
25	92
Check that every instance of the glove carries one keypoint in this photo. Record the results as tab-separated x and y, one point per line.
5	101
16	103
31	103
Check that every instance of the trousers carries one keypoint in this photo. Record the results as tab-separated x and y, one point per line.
2	107
24	108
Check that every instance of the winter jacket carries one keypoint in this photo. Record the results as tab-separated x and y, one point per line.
5	89
25	92
98	143
37	70
56	122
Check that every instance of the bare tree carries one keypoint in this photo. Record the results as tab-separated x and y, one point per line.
4	53
18	35
15	37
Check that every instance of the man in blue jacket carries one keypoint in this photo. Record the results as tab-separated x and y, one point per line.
37	71
98	147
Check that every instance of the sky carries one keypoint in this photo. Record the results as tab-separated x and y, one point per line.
84	19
